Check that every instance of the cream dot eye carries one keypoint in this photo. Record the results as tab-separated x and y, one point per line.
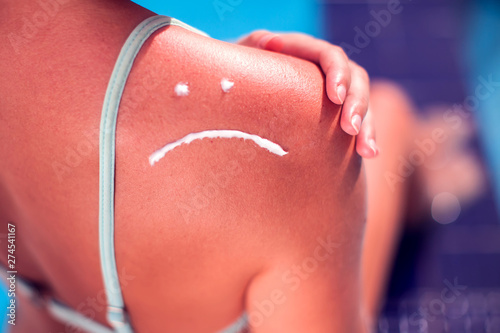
226	85
182	89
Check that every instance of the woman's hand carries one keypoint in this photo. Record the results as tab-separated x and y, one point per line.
347	83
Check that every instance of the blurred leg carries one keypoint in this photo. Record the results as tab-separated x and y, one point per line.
387	194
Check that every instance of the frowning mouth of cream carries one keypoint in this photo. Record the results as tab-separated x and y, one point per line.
272	147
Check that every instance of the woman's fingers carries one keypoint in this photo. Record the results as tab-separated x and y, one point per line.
366	145
263	39
347	83
272	42
332	59
335	64
356	104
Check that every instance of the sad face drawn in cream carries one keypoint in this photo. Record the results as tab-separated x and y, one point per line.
182	90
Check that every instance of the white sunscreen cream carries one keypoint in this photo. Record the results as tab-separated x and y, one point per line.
213	134
226	85
182	89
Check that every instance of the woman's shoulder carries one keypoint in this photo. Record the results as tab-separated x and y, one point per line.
270	97
230	202
228	87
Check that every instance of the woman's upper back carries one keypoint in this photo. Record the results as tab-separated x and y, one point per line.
214	228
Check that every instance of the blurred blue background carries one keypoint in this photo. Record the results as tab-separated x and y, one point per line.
4	302
230	19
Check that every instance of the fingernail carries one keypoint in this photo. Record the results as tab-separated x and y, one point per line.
356	122
264	40
373	147
341	92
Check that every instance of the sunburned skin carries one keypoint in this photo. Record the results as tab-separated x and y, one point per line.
212	134
251	223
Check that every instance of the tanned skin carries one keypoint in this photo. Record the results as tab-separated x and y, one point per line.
215	228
